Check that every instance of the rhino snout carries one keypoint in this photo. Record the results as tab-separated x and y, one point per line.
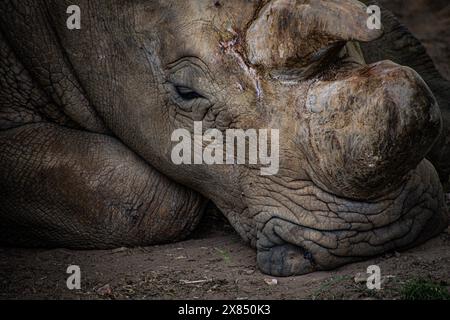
367	130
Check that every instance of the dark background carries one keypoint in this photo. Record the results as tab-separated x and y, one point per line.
429	21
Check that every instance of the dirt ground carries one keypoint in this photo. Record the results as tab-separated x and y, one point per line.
215	263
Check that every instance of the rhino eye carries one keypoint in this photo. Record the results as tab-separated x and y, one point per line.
189	85
189	99
187	93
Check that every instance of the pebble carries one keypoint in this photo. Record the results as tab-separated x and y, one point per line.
271	282
121	249
104	290
249	271
361	277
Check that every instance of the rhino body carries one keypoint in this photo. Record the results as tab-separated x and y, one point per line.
86	118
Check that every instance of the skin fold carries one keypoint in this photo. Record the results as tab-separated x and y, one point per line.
86	118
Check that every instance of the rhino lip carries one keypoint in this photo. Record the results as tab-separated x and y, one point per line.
407	217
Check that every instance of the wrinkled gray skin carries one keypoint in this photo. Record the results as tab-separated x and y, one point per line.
86	118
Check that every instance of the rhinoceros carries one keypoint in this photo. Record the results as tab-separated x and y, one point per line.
87	114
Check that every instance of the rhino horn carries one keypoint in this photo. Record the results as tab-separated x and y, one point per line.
282	33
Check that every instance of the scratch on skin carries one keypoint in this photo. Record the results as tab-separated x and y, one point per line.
229	47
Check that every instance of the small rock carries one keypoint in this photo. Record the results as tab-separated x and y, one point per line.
397	254
385	279
195	281
249	271
121	249
361	277
104	290
271	282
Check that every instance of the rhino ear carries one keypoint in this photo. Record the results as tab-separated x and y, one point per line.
399	45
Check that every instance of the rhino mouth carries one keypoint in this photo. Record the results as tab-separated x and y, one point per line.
339	231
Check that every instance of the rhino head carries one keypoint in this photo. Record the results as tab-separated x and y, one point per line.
353	180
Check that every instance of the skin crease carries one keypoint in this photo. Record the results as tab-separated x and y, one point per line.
353	181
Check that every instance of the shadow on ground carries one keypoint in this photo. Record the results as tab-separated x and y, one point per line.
214	264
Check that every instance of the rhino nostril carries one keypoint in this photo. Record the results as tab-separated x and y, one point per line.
279	257
285	260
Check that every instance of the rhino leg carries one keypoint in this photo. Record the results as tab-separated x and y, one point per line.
61	185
